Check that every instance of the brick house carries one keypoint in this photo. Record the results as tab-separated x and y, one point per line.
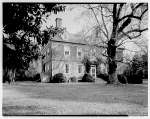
64	53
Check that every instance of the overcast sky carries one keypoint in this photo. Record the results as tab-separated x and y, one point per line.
68	20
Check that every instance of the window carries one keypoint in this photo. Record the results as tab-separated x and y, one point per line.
45	56
65	36
44	68
93	70
66	50
79	68
79	52
47	67
66	68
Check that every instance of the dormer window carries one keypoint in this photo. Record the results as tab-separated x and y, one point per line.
65	36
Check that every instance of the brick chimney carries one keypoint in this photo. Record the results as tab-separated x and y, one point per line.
58	23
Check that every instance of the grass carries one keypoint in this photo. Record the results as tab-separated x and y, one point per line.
75	99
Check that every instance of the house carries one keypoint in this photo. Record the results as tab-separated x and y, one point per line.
64	53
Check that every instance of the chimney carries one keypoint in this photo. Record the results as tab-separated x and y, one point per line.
58	23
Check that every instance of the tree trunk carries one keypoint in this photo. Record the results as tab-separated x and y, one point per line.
112	64
12	75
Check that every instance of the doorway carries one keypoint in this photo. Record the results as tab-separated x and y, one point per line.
93	71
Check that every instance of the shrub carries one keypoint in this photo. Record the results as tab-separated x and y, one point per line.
73	79
37	78
87	78
6	78
122	79
103	76
134	79
59	78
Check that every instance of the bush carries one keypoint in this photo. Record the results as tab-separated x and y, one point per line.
59	78
122	79
87	78
37	78
6	78
73	79
134	79
103	76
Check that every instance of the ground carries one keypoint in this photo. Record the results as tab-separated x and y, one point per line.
24	98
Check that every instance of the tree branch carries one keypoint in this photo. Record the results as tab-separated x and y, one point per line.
119	10
98	22
104	23
136	30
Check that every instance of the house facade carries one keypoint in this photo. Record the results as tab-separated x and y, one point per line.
64	54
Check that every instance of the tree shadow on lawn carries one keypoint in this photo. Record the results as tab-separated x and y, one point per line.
87	92
20	110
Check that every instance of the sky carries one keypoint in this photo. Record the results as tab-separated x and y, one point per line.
72	26
68	20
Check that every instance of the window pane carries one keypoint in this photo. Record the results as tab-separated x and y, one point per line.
80	68
66	52
45	67
93	70
48	67
67	68
79	53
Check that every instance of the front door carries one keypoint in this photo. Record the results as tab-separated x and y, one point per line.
93	71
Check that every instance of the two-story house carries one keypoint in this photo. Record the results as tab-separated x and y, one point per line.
64	53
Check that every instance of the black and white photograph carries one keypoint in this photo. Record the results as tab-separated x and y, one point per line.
75	59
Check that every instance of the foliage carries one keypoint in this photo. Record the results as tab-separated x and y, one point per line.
21	32
122	79
59	78
134	79
87	78
137	69
5	77
73	79
138	65
104	76
115	24
87	63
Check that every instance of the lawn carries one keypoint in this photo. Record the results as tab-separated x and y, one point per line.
75	99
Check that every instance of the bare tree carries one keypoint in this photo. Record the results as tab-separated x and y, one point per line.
116	24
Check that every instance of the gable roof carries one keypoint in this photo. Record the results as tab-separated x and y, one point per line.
72	38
